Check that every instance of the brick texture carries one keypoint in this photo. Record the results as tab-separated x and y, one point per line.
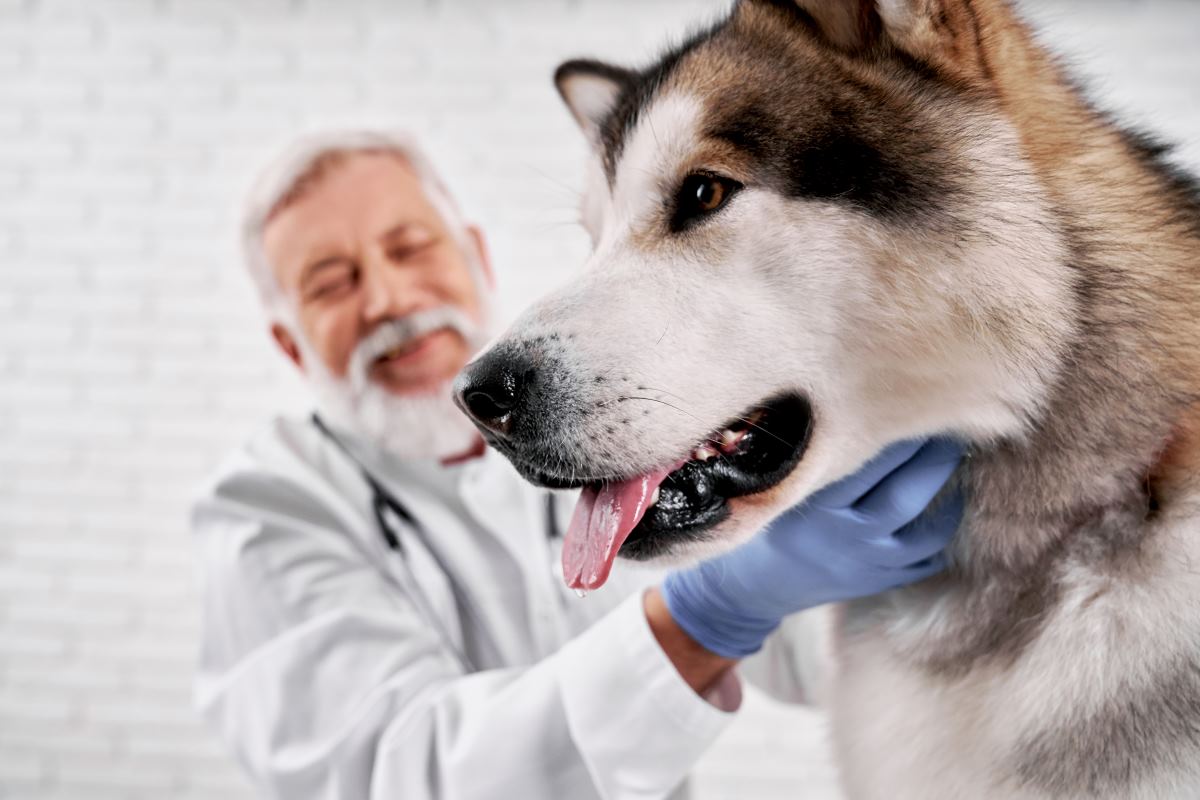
132	357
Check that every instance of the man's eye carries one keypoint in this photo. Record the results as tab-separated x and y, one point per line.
331	285
408	250
699	195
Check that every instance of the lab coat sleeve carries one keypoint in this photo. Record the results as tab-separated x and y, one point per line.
327	685
795	661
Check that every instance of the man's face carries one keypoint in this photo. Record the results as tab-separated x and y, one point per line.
363	246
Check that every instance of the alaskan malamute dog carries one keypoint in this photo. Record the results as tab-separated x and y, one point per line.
824	225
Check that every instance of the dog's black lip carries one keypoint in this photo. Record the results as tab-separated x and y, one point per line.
784	434
545	479
695	497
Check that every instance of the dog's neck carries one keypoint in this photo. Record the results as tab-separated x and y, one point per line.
1115	442
1118	433
1085	472
1116	425
1116	438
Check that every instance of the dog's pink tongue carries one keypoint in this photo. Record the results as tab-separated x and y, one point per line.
603	520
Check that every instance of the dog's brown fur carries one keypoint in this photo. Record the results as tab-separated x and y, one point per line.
1118	446
924	133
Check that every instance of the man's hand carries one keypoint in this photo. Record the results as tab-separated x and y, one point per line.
860	536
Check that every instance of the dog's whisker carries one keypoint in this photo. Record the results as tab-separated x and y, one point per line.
740	418
623	398
755	425
569	189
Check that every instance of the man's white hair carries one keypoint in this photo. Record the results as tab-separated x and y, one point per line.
279	182
421	425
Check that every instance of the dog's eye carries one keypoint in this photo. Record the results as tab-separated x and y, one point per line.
699	195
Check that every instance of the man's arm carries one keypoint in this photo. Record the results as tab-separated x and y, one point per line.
327	685
700	669
791	667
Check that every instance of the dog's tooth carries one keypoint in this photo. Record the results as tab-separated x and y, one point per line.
654	497
731	439
704	453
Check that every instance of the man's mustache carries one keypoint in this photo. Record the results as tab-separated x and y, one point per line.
400	331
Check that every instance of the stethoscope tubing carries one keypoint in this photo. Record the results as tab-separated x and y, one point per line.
383	502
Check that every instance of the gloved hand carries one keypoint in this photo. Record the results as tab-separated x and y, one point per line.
859	536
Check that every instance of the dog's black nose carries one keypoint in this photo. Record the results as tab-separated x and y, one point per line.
491	390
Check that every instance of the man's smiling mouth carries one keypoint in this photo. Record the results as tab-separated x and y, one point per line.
409	348
402	359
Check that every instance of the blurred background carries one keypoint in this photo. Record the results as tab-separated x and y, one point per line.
133	356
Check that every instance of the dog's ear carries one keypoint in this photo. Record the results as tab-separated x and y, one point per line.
591	90
947	34
850	25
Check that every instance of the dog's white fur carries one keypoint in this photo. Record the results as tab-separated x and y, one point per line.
895	332
776	304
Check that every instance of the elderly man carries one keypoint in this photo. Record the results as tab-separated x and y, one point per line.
383	617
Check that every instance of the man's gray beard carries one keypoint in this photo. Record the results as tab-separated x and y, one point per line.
424	425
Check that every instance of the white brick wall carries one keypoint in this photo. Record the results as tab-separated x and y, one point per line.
131	356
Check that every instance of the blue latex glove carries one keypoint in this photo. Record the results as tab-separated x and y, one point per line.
859	536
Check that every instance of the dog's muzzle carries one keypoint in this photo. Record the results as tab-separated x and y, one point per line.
530	409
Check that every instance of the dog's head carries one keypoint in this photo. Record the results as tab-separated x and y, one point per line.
815	233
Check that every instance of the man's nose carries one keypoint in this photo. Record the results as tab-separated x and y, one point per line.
492	390
388	293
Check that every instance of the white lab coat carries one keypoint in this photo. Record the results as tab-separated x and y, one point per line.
326	681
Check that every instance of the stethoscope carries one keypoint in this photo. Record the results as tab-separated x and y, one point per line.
383	504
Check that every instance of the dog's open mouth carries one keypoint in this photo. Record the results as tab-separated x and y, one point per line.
641	516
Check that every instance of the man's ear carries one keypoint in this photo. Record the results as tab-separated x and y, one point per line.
287	344
481	249
946	34
591	90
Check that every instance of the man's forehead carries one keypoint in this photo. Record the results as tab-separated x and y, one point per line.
339	172
365	195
